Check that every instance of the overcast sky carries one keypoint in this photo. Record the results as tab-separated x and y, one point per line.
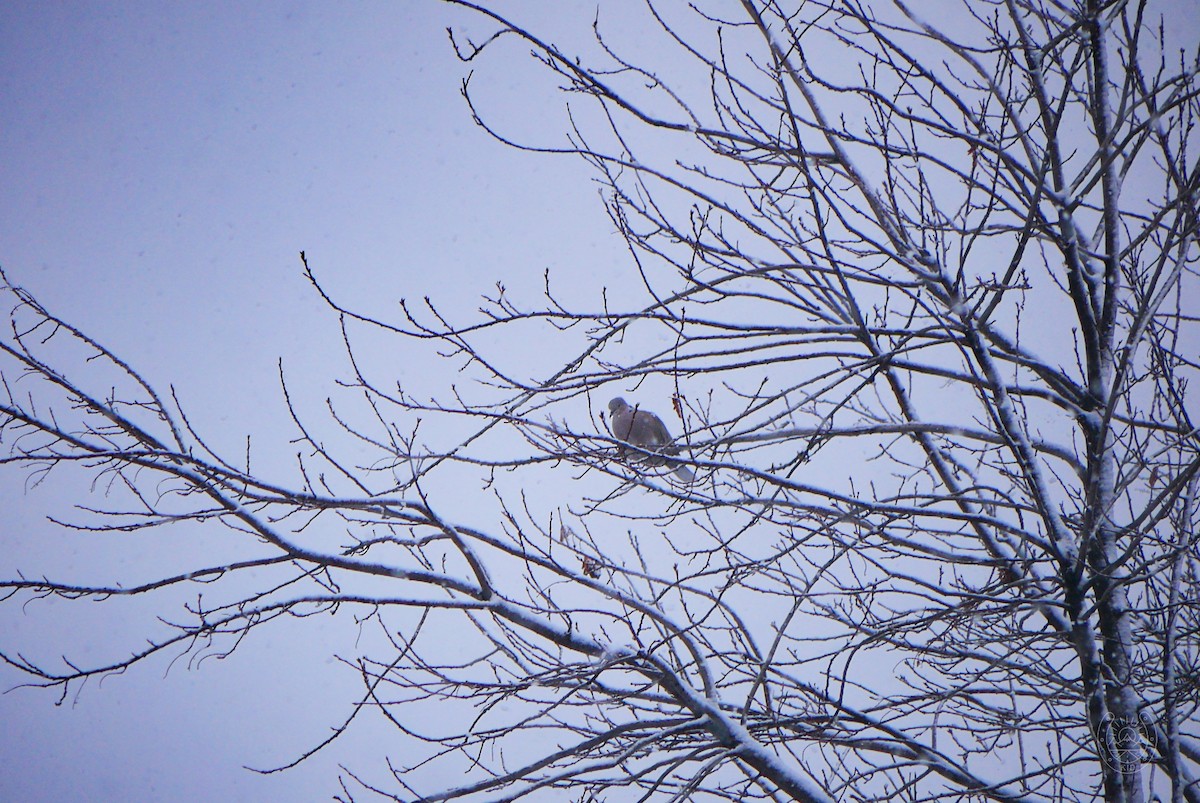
161	166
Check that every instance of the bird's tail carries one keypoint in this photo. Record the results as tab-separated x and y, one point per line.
685	473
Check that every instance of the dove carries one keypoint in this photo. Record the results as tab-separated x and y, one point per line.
645	430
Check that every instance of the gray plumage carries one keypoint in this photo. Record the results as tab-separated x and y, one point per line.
645	430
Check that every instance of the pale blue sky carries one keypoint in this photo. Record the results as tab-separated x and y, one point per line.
161	165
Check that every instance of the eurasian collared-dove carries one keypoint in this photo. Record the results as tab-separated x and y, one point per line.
645	430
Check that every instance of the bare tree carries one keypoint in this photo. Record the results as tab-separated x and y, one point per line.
914	299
